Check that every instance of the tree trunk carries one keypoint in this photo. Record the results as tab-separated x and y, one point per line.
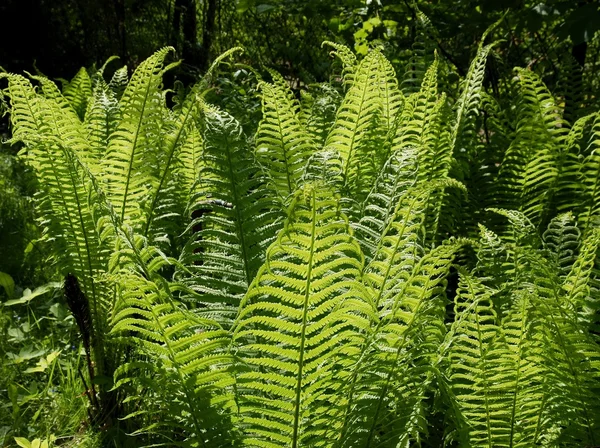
207	34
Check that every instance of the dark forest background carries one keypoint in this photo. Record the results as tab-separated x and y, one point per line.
57	37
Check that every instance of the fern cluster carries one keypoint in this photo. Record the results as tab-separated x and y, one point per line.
383	264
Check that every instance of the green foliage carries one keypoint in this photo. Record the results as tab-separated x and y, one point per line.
374	257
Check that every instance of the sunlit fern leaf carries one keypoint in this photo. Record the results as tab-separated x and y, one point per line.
495	262
569	187
283	146
51	91
300	320
467	106
101	119
590	179
163	205
420	124
348	60
354	117
70	131
529	171
78	91
562	239
577	283
52	149
119	81
399	245
326	167
390	381
208	77
318	107
235	216
98	75
128	164
570	356
521	377
189	353
27	109
473	359
422	54
376	212
189	163
391	97
519	230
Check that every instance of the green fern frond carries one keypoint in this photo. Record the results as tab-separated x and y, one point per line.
562	239
128	162
395	181
390	377
101	119
569	188
78	91
235	216
422	54
118	82
283	147
51	91
529	171
161	206
299	321
318	107
577	283
189	163
468	104
348	59
570	356
400	245
188	352
354	117
473	359
590	179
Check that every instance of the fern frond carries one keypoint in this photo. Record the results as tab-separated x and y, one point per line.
577	283
348	59
354	117
283	147
390	380
300	318
161	206
473	359
318	107
590	179
188	353
78	91
128	163
118	82
235	216
395	181
101	119
562	239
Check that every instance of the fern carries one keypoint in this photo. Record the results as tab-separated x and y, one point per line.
298	321
282	145
235	217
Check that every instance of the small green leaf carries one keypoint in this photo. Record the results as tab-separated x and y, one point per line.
264	8
29	295
13	395
22	441
242	6
7	283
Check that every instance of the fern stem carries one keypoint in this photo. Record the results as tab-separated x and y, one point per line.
304	318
